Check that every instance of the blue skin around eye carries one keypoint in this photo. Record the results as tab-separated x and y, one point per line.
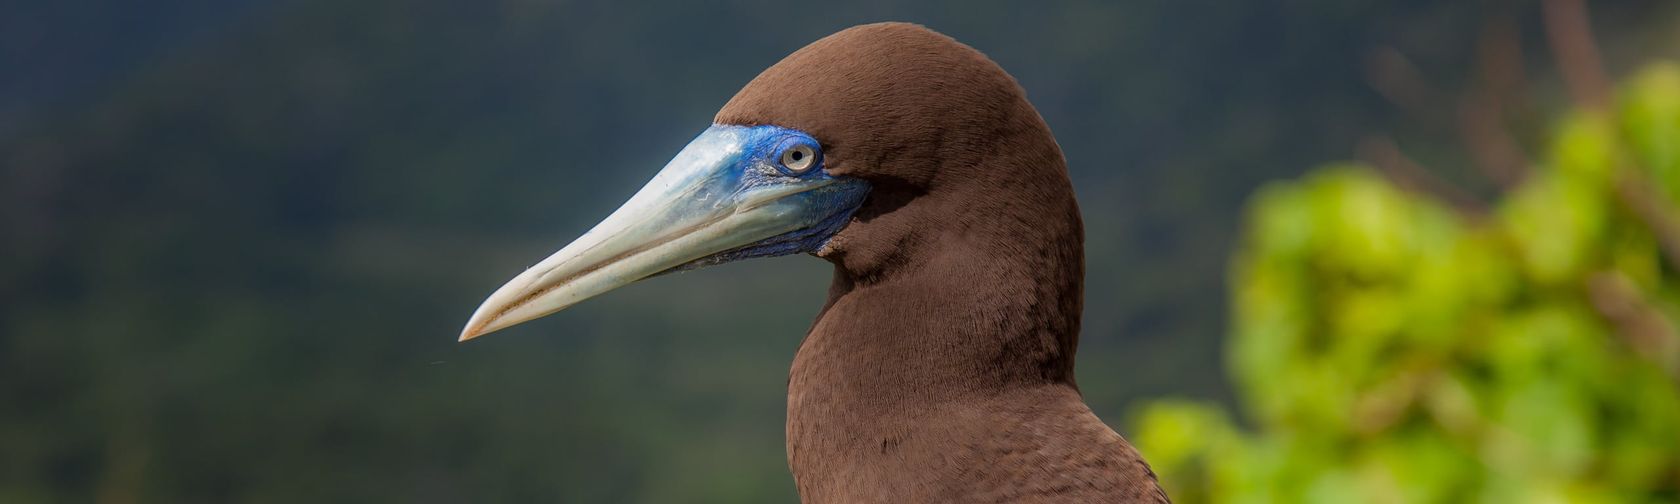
825	209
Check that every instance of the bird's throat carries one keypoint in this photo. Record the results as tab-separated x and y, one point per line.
892	353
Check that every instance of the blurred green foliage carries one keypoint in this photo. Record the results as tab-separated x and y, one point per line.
1389	348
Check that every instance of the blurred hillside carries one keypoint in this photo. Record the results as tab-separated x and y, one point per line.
237	238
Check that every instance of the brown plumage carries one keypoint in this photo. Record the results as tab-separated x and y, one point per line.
941	367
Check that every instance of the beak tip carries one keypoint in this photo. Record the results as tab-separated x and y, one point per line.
474	329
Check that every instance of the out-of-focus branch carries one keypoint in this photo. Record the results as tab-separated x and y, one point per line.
1569	31
1481	113
1398	80
1640	324
1383	153
1495	151
1658	214
1499	56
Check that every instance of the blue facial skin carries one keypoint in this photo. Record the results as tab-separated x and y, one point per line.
823	210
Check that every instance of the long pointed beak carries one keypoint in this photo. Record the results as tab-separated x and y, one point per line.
719	195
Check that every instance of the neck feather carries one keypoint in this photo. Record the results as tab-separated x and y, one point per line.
986	298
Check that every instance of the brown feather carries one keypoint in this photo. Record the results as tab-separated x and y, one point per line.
941	368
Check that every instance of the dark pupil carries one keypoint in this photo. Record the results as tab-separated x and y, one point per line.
798	155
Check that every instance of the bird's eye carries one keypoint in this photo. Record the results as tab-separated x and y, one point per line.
798	158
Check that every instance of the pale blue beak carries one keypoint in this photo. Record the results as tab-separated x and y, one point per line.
734	192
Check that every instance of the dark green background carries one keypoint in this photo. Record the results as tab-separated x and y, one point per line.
238	239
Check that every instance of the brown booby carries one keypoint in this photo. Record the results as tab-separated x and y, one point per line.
940	369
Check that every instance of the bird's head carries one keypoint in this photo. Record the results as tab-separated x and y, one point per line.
820	154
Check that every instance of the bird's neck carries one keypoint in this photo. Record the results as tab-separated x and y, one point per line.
974	308
977	316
